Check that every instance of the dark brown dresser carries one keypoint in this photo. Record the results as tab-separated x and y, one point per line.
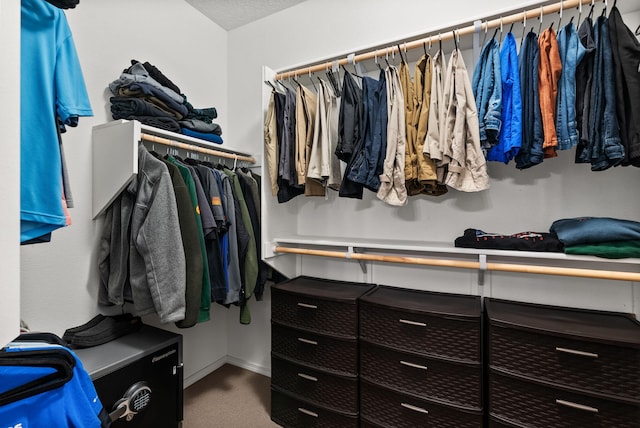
314	352
562	367
420	359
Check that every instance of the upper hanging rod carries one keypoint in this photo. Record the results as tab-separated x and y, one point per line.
193	148
394	47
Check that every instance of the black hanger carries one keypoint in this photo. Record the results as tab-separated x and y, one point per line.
494	34
400	52
424	47
455	39
270	84
637	32
511	28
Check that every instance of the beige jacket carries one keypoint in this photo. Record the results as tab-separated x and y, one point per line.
434	143
467	170
305	124
324	166
392	188
271	144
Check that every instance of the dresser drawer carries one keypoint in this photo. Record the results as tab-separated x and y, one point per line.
335	392
386	408
319	305
444	337
291	412
458	384
532	405
605	369
339	356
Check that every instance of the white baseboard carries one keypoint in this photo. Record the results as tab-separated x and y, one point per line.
190	380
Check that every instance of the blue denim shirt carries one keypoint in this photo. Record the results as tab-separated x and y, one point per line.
369	161
571	53
605	148
487	91
531	152
510	138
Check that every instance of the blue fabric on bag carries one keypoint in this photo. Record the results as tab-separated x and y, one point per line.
487	91
510	138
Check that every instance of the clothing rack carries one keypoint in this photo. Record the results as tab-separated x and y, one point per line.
482	265
193	148
437	37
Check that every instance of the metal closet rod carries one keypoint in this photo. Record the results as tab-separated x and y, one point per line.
193	148
446	35
503	267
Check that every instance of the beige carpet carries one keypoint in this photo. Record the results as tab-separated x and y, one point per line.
230	397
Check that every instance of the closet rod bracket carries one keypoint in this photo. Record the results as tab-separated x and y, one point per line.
482	259
363	264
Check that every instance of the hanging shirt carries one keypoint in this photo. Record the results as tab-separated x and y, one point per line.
487	91
51	82
434	143
549	70
510	138
271	143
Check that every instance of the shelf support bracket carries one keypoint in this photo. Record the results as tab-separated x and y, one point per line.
363	264
482	259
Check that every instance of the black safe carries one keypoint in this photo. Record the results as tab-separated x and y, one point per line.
150	361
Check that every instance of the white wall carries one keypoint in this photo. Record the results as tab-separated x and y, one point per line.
59	280
316	30
9	191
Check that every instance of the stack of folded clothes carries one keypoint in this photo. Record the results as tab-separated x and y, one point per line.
599	236
101	329
144	93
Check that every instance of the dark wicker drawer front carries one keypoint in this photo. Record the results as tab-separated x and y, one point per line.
322	352
335	392
322	316
532	405
293	413
383	407
605	369
429	335
455	383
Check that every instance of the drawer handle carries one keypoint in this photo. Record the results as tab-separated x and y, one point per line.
307	341
307	377
576	352
307	412
409	322
577	406
415	408
306	305
415	366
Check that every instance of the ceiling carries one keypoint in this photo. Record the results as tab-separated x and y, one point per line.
230	14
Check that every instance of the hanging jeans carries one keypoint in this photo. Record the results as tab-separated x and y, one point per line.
487	91
584	78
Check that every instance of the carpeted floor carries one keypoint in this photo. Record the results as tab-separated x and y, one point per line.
230	397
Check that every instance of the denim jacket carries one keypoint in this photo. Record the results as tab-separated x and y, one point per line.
510	138
487	91
571	53
530	153
605	148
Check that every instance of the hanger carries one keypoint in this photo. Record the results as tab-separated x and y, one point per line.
579	14
486	28
424	48
271	84
604	11
375	58
540	20
500	43
593	5
400	53
455	39
440	42
637	32
560	14
524	26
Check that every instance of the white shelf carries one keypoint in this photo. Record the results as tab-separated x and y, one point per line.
115	157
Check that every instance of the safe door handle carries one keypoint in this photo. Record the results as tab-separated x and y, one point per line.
416	323
414	408
307	341
306	305
577	406
307	377
415	366
307	412
576	352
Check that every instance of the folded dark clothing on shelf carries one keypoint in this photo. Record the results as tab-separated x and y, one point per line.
101	329
205	114
591	230
166	123
214	138
201	126
607	250
121	107
157	75
144	90
523	241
